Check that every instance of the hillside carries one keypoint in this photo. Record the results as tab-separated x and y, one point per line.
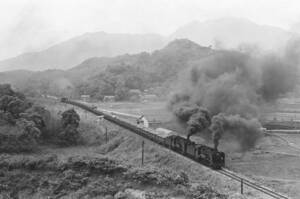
175	54
233	32
145	70
71	52
15	77
95	168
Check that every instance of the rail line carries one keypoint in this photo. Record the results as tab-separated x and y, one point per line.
253	185
142	131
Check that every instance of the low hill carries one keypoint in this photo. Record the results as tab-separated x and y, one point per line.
137	71
71	52
174	55
157	70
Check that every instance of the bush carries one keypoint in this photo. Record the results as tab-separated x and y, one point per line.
12	140
99	165
21	123
102	187
204	192
69	134
156	176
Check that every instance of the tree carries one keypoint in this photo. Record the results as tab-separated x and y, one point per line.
70	122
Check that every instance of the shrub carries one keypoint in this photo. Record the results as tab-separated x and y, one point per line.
14	140
69	134
204	192
156	176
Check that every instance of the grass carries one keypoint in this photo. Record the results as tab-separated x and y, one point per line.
69	172
88	176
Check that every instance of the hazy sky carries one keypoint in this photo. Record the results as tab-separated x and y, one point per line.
30	25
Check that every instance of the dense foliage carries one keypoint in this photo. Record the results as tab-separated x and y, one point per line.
69	134
23	124
115	80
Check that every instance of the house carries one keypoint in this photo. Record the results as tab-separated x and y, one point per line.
149	97
109	98
85	98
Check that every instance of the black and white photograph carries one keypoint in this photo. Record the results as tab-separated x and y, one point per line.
149	99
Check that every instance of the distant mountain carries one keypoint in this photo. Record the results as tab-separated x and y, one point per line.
233	32
72	52
295	27
225	33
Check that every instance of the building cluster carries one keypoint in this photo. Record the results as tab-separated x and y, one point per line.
135	95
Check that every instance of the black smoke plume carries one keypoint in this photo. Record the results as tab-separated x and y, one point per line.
244	131
196	118
233	86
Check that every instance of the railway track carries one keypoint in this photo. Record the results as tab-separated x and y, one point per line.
250	183
143	132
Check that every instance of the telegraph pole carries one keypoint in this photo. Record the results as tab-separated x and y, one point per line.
143	143
242	186
106	134
100	121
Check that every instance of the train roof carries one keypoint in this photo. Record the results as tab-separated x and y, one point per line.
164	133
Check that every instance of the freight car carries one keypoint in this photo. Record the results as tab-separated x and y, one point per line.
200	153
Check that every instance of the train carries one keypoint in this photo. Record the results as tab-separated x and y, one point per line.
177	142
174	141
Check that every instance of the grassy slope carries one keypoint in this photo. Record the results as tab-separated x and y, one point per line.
40	174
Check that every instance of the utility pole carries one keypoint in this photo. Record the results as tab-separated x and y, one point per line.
143	143
100	121
242	186
106	134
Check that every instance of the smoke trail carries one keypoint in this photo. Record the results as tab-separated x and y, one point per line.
217	129
245	131
233	87
194	117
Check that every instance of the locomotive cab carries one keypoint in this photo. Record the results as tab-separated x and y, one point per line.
64	99
204	155
218	160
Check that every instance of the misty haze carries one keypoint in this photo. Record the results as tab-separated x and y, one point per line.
160	99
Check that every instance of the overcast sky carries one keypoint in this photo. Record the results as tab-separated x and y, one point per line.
30	25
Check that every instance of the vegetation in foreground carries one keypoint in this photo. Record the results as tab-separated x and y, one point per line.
85	166
24	124
91	177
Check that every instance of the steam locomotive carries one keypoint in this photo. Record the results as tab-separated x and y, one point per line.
200	153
